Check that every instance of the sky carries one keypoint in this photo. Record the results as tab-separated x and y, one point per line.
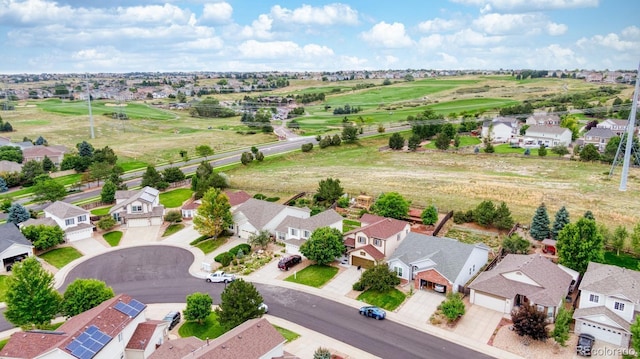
91	36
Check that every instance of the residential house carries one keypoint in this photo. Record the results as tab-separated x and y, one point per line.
618	127
609	303
599	137
236	198
520	279
253	339
500	129
428	260
255	215
543	119
549	136
10	166
73	220
117	328
375	241
14	247
138	208
38	153
294	231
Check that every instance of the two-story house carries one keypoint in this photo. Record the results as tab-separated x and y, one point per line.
375	241
500	129
73	220
549	136
618	127
543	119
236	198
609	303
138	208
256	215
429	261
38	153
599	137
294	231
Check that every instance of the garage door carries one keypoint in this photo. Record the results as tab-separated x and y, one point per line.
138	222
488	301
602	333
362	262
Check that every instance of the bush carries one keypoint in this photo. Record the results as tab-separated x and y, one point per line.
343	202
245	248
173	216
306	147
259	196
106	223
224	258
359	286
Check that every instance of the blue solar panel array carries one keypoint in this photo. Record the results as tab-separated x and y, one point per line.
132	309
87	344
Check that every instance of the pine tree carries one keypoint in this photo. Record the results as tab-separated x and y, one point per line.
503	219
561	220
540	224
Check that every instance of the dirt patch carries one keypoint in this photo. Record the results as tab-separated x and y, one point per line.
508	340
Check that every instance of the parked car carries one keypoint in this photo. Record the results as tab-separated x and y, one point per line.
288	262
585	344
220	277
173	318
439	288
373	312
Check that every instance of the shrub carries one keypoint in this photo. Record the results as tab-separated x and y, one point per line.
272	199
240	254
244	247
106	223
306	147
343	202
173	216
224	258
359	286
259	196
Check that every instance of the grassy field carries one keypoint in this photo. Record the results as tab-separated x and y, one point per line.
175	198
3	287
209	245
623	260
100	211
113	238
172	228
102	108
210	328
60	257
313	275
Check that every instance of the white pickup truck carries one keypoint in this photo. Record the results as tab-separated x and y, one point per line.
220	277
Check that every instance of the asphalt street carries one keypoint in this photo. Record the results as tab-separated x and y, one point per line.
160	274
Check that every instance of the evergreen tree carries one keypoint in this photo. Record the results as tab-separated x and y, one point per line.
542	151
503	219
153	178
396	141
108	193
3	185
589	215
540	224
239	302
17	214
561	220
48	165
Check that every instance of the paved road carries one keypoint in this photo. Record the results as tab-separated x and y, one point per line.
160	274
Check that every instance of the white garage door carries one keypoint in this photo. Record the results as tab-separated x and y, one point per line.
488	301
602	333
292	249
138	222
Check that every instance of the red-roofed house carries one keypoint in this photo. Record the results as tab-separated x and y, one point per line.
375	241
117	328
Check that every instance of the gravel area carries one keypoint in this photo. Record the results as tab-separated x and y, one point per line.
510	341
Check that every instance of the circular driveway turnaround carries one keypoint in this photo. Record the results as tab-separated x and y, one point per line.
160	274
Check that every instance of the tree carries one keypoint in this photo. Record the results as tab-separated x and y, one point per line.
106	223
589	215
391	205
85	149
173	216
442	141
43	237
561	220
108	193
3	185
580	243
515	244
635	239
173	174
379	278
17	214
84	294
349	133
540	224
214	214
259	156
262	239
529	322
152	178
100	170
48	165
198	307
452	307
561	328
635	334
589	153
105	155
430	215
542	151
413	142
246	158
560	150
204	151
336	140
324	245
30	296
329	190
620	235
485	213
239	302
502	218
30	171
46	189
396	141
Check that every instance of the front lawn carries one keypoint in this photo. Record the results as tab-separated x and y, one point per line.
389	300
103	211
506	148
60	257
175	198
210	328
287	334
349	224
113	238
172	228
3	286
210	245
623	260
3	343
314	275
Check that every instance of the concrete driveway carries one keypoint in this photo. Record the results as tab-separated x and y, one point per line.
140	235
421	305
90	246
478	323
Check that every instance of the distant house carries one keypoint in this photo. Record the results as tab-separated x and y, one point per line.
427	261
618	127
73	220
38	153
9	166
500	129
14	247
375	241
543	119
294	231
138	208
117	328
599	137
255	215
549	136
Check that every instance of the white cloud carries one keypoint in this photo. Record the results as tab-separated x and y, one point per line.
32	12
439	25
528	5
431	42
469	37
209	43
168	14
331	14
631	32
554	29
609	41
253	49
505	24
392	36
260	28
219	12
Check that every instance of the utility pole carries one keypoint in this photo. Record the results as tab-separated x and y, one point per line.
90	114
629	140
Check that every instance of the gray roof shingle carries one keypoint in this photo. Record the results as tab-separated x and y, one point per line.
64	210
612	280
259	212
312	223
9	235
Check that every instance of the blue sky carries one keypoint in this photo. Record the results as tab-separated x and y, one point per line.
39	36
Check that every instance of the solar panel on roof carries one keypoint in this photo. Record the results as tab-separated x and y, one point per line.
92	329
137	305
90	342
120	306
94	346
103	338
73	345
83	337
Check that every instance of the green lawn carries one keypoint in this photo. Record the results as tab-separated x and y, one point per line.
349	224
100	211
314	275
388	300
210	328
175	198
465	141
3	286
113	238
210	245
506	148
3	343
287	334
623	260
100	107
133	165
173	228
60	257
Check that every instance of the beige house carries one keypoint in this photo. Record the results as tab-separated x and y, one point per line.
549	136
138	208
375	241
294	231
38	153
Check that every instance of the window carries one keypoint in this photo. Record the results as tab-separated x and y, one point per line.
398	271
120	336
398	236
474	267
594	298
136	208
294	232
69	222
281	236
377	242
82	218
469	271
362	239
306	234
619	306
